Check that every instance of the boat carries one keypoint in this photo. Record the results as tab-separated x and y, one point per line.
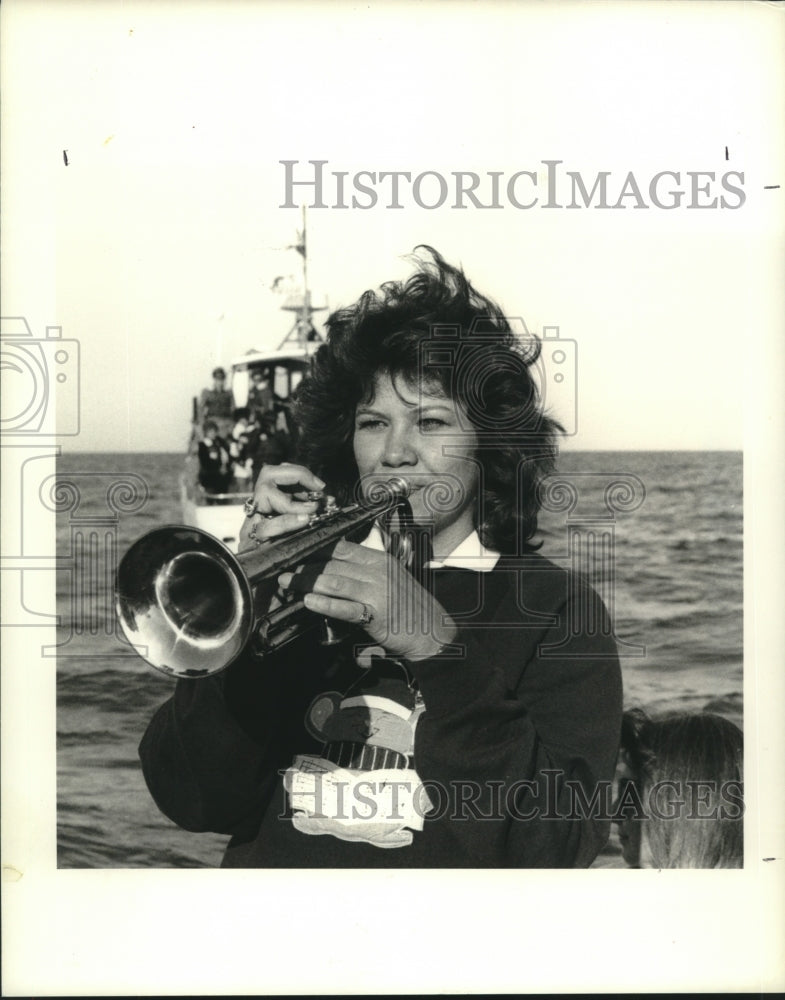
221	513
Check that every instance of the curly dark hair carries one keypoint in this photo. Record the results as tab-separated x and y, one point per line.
435	329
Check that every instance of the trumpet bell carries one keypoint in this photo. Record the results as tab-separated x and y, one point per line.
190	606
184	601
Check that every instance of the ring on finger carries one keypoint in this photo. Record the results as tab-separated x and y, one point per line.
250	508
266	517
367	616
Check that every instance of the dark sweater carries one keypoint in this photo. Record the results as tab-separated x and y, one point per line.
517	729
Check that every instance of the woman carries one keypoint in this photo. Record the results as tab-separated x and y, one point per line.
479	696
215	463
680	803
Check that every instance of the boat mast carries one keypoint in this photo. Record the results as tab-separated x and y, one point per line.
306	313
302	325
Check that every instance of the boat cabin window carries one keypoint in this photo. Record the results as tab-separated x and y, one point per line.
281	382
284	379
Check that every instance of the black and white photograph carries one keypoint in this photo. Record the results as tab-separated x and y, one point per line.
392	535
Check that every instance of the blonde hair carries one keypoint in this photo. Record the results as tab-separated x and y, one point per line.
700	757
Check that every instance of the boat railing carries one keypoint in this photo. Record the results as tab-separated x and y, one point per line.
207	498
191	489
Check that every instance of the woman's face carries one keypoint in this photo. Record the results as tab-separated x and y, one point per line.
420	435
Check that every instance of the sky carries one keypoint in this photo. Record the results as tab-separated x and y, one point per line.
157	245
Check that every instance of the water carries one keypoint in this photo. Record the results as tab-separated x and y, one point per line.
677	591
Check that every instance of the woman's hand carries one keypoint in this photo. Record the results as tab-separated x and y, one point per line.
372	589
279	511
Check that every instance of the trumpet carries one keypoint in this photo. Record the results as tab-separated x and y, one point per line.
190	606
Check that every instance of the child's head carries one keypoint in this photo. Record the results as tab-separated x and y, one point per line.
688	773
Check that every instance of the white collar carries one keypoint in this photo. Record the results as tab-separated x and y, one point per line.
468	554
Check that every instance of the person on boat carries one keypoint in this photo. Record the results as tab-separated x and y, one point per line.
215	461
217	403
268	445
680	799
260	394
240	448
479	693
